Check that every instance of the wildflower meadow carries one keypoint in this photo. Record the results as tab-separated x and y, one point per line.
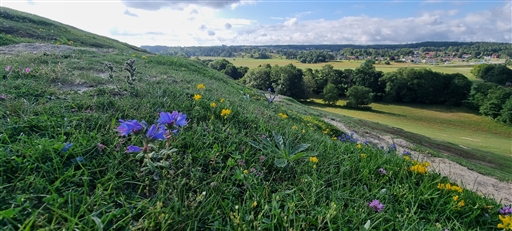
92	141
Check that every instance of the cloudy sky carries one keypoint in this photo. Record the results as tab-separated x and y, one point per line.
261	22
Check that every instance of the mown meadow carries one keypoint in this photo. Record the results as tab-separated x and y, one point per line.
181	146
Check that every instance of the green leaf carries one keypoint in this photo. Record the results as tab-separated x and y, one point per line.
98	222
367	225
9	213
280	163
300	148
279	140
255	144
299	155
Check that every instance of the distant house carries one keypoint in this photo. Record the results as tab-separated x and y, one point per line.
430	61
466	56
495	56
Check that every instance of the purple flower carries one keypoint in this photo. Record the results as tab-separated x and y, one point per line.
167	118
2	96
507	210
382	171
8	68
101	147
376	206
66	147
27	70
128	127
133	148
181	120
262	158
156	132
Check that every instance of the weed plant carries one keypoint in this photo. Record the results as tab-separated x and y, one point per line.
88	160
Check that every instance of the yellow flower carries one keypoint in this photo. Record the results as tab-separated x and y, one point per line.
506	222
144	57
303	131
246	171
455	198
295	127
407	158
334	138
313	159
254	204
326	131
461	203
197	96
213	104
314	166
201	86
134	55
222	100
419	169
225	112
359	146
363	155
284	116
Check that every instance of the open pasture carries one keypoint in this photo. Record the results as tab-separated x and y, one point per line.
451	124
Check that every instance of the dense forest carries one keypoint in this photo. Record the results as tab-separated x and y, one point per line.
325	53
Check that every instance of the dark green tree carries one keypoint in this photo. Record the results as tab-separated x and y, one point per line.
330	95
359	96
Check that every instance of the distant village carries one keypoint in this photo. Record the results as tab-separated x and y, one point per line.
434	58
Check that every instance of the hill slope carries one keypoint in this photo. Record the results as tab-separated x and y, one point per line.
72	156
19	27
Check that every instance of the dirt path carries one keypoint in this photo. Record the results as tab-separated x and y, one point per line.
471	180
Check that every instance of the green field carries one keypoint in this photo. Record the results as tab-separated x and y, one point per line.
450	124
251	63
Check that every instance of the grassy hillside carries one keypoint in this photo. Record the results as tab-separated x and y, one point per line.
71	156
21	27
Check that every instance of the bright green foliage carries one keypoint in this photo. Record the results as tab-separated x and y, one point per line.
289	81
367	76
330	94
496	98
359	96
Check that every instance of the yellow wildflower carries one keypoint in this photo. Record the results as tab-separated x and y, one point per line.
407	158
246	171
225	112
359	146
284	116
313	159
144	57
295	127
222	100
314	166
455	198
197	96
134	55
254	204
363	155
419	169
213	104
325	131
201	86
506	222
303	131
334	138
461	203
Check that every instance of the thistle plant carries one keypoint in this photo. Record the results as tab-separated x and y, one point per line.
285	152
110	69
153	157
130	67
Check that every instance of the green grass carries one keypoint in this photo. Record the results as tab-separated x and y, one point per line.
251	63
208	175
20	27
466	135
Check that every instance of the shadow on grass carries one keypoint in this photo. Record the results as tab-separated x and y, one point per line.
365	109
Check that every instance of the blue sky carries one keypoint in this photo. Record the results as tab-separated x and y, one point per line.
264	22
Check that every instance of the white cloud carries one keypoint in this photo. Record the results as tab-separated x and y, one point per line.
291	22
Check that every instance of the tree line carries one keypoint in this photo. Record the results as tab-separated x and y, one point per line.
364	85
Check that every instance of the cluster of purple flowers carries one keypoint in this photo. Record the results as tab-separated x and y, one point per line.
348	138
160	131
382	171
507	210
376	206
